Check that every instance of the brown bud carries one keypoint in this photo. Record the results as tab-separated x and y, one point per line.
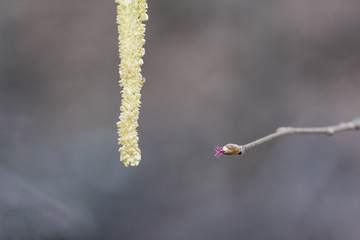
232	149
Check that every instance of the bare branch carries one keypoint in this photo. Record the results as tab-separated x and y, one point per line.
232	149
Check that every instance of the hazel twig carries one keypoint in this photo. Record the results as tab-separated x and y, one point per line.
233	149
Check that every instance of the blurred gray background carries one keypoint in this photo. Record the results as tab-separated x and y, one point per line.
217	72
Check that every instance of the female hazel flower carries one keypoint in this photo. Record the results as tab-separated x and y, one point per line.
130	15
228	149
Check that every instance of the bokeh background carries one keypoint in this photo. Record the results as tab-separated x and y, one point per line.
217	72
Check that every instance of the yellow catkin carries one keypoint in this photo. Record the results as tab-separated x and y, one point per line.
130	15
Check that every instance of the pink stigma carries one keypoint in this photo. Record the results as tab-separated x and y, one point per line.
218	151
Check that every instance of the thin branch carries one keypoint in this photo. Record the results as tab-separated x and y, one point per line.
232	149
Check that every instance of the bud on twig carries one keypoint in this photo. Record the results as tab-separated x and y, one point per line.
232	149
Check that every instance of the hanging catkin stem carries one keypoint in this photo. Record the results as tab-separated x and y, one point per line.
130	15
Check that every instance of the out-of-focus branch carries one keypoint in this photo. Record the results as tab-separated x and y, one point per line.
232	149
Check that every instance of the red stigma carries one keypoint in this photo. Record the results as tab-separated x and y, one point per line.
218	151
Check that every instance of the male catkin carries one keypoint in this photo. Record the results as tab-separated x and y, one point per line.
130	15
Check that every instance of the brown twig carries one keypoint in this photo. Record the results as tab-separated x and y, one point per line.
232	149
